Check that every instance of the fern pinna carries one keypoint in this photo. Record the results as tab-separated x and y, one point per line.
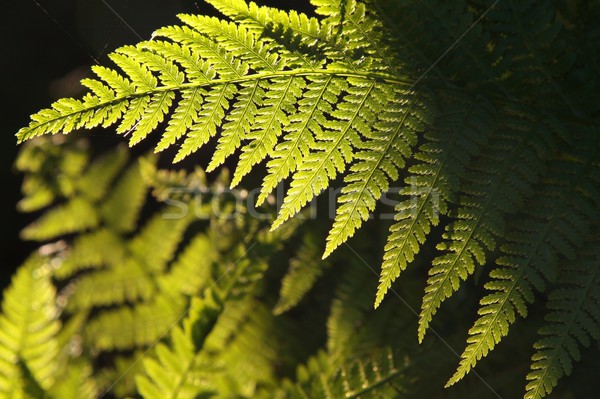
484	114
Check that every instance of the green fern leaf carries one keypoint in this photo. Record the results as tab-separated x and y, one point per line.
246	340
217	101
28	329
233	77
191	48
75	382
573	320
381	156
174	374
96	249
366	33
237	41
101	173
335	149
328	8
126	283
375	376
139	73
85	188
154	113
117	84
183	118
158	240
143	324
259	19
554	229
191	272
461	132
121	209
168	71
270	120
125	328
133	277
77	215
307	121
238	122
513	288
487	114
133	114
302	274
515	160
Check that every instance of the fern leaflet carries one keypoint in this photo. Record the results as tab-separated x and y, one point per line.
532	246
573	320
28	329
482	210
459	131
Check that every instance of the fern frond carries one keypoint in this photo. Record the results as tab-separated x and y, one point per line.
271	118
205	59
460	132
121	208
88	206
328	8
174	373
380	158
183	118
127	283
487	114
156	244
190	273
101	173
352	300
246	342
573	320
28	330
130	327
227	313
217	101
227	79
133	277
154	114
96	249
169	72
365	33
173	183
354	115
335	151
555	228
117	84
238	41
156	106
35	198
320	95
75	382
77	215
145	322
302	274
139	73
237	122
266	19
501	180
376	376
